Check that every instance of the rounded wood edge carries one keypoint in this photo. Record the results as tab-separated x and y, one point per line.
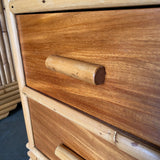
64	153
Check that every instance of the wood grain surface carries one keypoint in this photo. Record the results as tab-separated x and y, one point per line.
125	42
51	130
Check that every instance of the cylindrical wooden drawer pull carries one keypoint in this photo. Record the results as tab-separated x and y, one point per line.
88	72
64	153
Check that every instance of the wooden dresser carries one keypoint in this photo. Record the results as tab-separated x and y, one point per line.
89	77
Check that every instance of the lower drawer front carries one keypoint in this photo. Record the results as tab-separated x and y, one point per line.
51	130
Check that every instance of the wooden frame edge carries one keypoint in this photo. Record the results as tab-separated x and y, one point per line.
36	153
125	144
28	6
13	34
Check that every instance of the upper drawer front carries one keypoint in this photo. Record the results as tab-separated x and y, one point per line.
125	42
51	130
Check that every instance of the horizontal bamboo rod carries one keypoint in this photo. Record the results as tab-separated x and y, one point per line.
87	72
140	151
2	116
9	99
64	153
10	103
4	90
9	94
19	6
36	152
8	109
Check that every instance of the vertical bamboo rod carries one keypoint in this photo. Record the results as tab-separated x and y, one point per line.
4	59
2	20
9	56
2	74
15	47
6	42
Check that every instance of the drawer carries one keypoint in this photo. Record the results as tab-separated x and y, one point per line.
125	42
51	130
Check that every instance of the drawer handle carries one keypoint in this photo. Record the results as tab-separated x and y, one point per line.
64	153
88	72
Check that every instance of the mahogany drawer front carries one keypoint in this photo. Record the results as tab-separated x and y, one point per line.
125	42
51	130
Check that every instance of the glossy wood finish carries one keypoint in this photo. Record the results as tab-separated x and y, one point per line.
126	42
51	130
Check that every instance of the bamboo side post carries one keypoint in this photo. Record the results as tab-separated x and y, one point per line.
4	58
15	47
125	144
2	74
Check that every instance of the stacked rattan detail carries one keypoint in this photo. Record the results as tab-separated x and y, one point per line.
9	93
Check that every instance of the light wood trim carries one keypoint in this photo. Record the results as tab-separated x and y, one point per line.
36	152
14	41
87	72
31	155
131	147
27	6
64	153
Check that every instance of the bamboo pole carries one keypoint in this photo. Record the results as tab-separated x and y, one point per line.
6	42
4	59
9	94
6	110
9	56
140	151
15	47
2	116
2	74
2	20
9	99
10	103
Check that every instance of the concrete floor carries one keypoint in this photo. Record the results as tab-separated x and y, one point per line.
13	137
